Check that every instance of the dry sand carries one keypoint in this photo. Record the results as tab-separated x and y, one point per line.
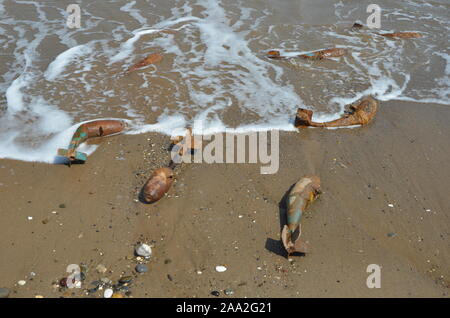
401	159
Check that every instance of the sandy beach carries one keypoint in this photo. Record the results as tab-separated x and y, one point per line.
384	201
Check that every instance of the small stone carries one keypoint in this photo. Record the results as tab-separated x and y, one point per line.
4	292
215	293
391	234
108	293
141	268
229	292
390	205
101	268
221	269
125	280
92	290
144	250
21	282
117	295
62	206
105	280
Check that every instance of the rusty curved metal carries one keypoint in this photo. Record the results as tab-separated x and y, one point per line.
360	113
96	128
304	192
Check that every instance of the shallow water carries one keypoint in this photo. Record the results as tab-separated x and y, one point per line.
214	67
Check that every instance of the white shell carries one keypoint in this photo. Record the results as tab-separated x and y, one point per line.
220	269
144	250
108	293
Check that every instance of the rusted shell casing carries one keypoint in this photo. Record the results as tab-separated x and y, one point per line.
274	54
158	184
303	117
150	59
403	35
322	54
301	195
360	113
189	142
96	128
100	128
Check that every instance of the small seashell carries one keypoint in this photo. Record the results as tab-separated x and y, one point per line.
144	250
108	293
221	269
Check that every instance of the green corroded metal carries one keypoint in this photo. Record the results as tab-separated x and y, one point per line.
78	138
296	202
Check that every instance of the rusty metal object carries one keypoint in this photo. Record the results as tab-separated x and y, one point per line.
169	31
150	59
158	184
360	113
323	54
317	55
188	142
304	192
403	35
274	54
97	128
161	179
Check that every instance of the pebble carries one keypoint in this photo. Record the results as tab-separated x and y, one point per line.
125	280
108	293
63	282
101	268
21	282
215	293
141	268
4	292
144	250
221	269
391	234
390	205
229	292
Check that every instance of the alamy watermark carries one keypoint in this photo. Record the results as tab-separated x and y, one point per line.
374	19
228	147
374	279
74	18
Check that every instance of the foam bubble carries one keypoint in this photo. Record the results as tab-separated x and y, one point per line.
58	65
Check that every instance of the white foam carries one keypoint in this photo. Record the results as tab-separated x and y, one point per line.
56	67
134	12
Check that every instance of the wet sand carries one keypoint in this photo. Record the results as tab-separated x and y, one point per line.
400	159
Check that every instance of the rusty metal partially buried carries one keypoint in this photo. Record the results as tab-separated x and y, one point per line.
96	128
359	113
304	192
